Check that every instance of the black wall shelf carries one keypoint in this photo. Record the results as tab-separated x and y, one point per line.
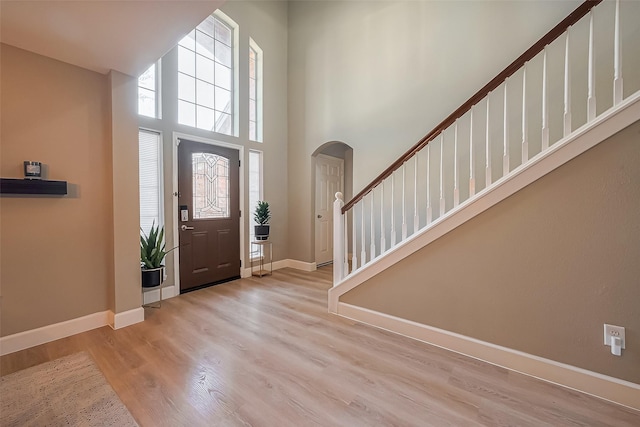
32	186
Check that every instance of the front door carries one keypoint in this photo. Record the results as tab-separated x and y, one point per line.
329	180
208	214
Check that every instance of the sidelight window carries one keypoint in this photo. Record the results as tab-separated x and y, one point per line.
255	188
150	166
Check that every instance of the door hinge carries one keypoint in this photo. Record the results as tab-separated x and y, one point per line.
240	214
239	163
240	263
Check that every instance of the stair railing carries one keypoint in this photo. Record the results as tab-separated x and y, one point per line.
392	208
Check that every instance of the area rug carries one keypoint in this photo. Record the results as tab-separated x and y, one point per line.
70	391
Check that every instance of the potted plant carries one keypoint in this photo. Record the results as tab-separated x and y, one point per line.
152	254
262	216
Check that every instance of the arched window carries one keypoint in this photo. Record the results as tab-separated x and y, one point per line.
205	77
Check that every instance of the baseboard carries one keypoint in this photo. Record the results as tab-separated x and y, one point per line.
127	318
284	263
301	265
154	296
45	334
612	389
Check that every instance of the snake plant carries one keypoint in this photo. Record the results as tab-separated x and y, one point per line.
152	247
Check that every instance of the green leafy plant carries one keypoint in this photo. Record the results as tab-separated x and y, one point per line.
262	214
152	247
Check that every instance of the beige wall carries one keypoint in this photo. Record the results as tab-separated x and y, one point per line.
56	252
540	272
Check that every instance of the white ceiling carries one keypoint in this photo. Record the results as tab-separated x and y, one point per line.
101	35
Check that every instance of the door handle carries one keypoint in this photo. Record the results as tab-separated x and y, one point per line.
185	228
319	216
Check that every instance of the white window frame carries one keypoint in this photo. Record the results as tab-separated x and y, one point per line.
259	54
157	91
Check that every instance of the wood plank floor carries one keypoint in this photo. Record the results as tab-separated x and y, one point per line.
265	352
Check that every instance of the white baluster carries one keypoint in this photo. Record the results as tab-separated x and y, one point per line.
383	242
505	152
456	189
416	217
338	236
354	252
567	88
545	103
591	100
363	252
393	208
373	230
472	167
404	204
346	247
429	211
488	178
617	58
525	127
442	205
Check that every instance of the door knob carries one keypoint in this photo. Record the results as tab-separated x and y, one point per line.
185	228
319	216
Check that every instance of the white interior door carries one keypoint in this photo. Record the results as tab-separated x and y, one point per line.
329	180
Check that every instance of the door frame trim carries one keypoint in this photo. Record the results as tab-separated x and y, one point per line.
174	158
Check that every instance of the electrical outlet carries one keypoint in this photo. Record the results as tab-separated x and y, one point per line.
613	331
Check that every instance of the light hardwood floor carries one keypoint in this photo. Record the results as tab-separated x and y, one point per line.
264	352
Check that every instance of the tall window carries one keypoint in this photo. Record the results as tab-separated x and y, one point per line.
205	77
255	188
255	92
149	91
150	160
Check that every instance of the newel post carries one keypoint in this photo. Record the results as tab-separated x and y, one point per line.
338	239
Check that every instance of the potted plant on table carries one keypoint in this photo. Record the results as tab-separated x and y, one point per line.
262	216
152	254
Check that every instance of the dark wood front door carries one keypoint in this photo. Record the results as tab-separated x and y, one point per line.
208	214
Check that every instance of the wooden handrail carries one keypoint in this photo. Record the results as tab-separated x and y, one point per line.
555	32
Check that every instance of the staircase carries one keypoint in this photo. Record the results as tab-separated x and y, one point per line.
535	116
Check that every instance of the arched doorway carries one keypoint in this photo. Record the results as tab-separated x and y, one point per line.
332	171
